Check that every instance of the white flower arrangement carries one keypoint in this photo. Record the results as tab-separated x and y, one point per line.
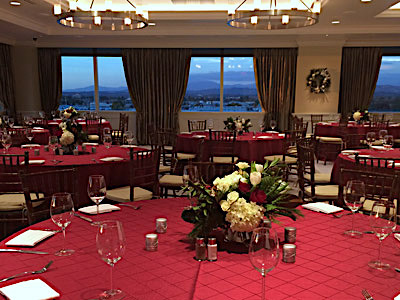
67	138
238	124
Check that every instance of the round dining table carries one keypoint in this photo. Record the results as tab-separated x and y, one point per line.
329	264
251	146
55	129
332	129
112	163
40	135
347	160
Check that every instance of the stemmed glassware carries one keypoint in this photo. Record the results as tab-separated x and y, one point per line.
6	141
190	174
107	140
371	136
272	124
111	244
128	137
354	197
11	122
261	125
388	142
382	134
61	212
383	222
96	191
53	144
264	252
29	134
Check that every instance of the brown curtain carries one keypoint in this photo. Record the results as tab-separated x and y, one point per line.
50	78
360	69
275	73
157	80
7	96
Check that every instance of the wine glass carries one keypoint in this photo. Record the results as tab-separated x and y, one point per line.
264	252
371	136
6	141
97	191
53	144
382	134
190	174
11	122
61	212
5	119
111	244
29	134
107	141
388	142
354	196
383	222
272	124
128	137
210	123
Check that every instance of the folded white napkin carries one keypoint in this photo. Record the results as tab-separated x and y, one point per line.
90	144
37	289
30	238
30	145
128	146
103	208
348	152
272	131
103	121
18	127
378	147
324	123
397	236
322	207
35	162
111	158
198	136
37	128
264	137
281	134
397	297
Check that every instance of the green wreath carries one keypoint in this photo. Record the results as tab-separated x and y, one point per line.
319	80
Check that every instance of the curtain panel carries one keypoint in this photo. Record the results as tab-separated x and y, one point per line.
157	80
50	78
359	74
7	96
275	73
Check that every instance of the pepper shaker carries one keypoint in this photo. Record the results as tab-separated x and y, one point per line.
200	249
212	249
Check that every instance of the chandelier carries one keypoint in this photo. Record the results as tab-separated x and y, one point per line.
105	19
265	17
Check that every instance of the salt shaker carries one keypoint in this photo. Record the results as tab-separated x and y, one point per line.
289	253
151	242
161	225
212	251
290	235
200	249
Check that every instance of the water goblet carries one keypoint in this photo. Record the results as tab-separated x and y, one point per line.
111	244
382	134
264	252
388	142
107	141
272	124
128	137
53	145
61	212
383	222
6	141
96	191
354	196
29	134
190	174
371	136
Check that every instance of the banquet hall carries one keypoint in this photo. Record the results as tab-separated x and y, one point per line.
200	149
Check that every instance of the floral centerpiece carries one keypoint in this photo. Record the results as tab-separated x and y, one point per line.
240	201
238	124
71	130
360	115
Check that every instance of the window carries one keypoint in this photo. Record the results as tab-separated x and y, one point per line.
387	93
80	75
206	86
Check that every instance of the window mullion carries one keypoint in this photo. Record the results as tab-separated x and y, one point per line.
96	83
221	86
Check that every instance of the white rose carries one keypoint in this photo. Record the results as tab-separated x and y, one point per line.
242	165
243	121
232	197
259	168
216	181
255	178
224	205
66	115
63	126
357	116
67	138
239	126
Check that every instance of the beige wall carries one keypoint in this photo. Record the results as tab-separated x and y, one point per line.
311	57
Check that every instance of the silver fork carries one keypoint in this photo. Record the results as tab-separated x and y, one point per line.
131	206
42	270
366	295
341	215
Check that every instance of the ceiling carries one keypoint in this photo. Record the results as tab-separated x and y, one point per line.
202	23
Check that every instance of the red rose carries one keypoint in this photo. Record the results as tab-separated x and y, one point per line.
258	196
244	187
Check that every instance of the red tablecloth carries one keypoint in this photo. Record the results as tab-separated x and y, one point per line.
328	264
247	147
54	125
40	136
114	172
332	129
348	161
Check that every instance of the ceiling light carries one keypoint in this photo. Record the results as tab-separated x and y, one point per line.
335	22
366	1
105	18
15	3
268	15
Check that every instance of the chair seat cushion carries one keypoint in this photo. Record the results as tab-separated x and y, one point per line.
11	202
171	180
121	194
183	156
397	141
164	169
93	137
324	191
168	148
224	159
289	160
329	139
367	205
319	177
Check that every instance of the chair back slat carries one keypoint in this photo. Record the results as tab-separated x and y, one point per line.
222	144
208	171
197	125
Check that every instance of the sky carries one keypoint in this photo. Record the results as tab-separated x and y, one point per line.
390	71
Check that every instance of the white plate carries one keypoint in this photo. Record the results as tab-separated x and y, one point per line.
128	146
397	236
264	137
348	152
281	134
111	158
35	162
378	147
90	144
197	136
37	289
38	128
18	127
30	238
103	208
271	131
30	145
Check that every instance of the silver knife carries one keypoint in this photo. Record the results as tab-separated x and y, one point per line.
23	251
83	218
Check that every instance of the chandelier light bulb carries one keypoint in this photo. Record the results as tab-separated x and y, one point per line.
316	7
285	19
108	4
97	20
254	20
72	5
127	21
57	9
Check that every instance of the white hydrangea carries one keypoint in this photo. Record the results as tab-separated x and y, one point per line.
244	216
357	116
67	138
63	126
